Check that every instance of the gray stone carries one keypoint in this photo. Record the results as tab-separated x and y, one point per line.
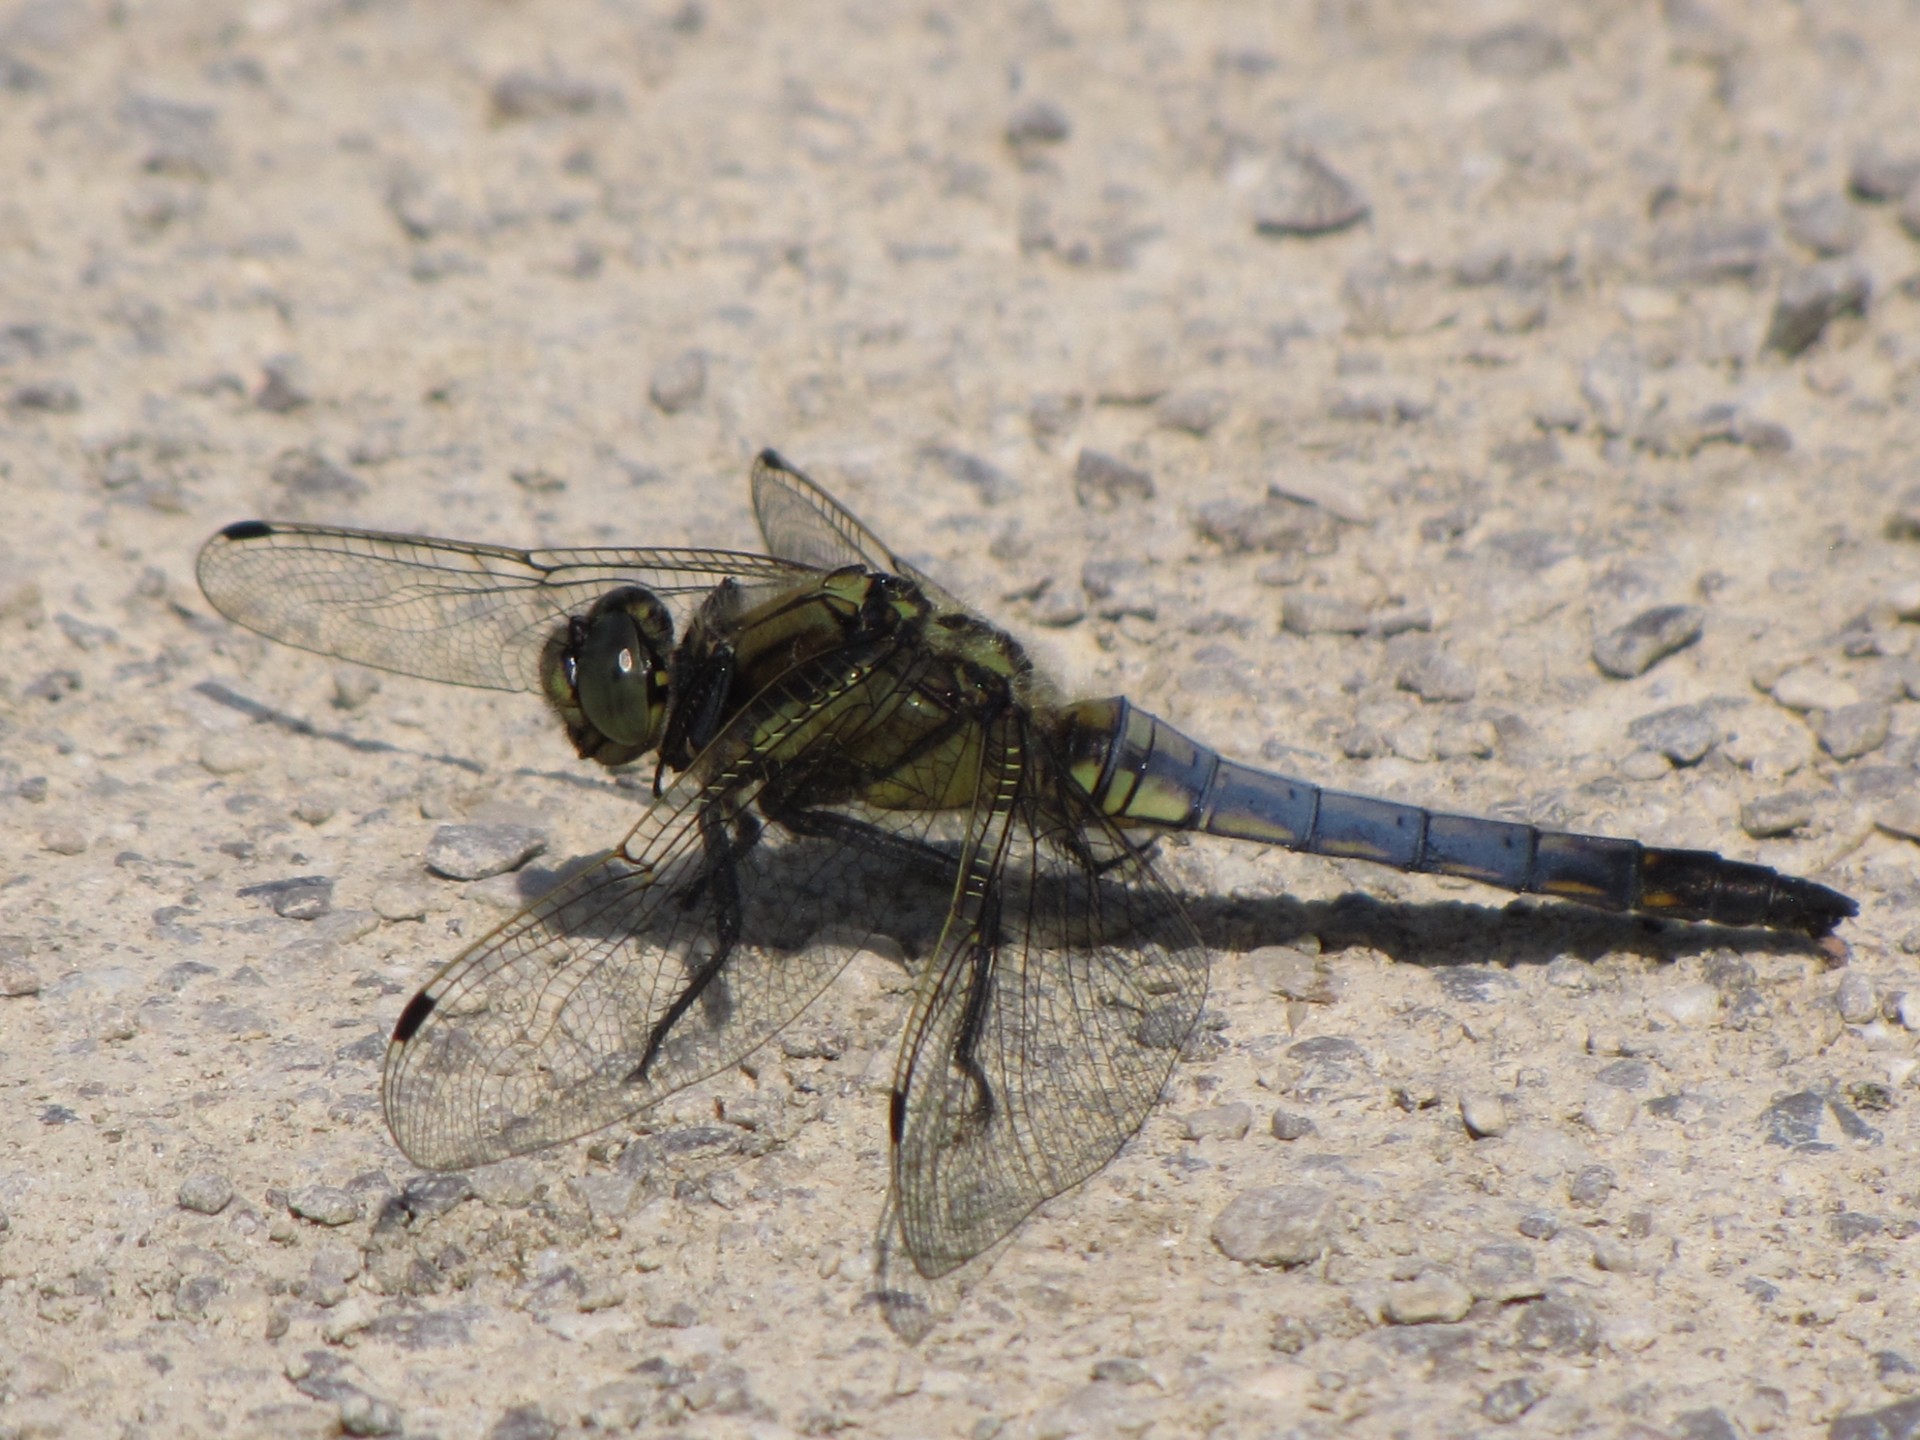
1484	1114
1430	1298
1310	613
1813	298
361	1414
48	397
1290	1125
1826	224
1275	1225
324	1205
1038	122
1304	196
1102	480
18	977
1793	1122
678	383
1898	1421
1590	1186
1635	647
1856	999
533	95
206	1192
1424	666
1557	1326
1682	733
1879	173
523	1422
1770	815
1220	1122
1853	730
284	386
1502	1271
474	852
1511	1399
1195	411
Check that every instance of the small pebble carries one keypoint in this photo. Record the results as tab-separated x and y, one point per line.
1289	1125
314	810
1311	613
1304	196
284	385
49	397
1483	1113
1428	1299
1909	214
1827	225
1690	1006
1682	733
1900	817
115	1023
231	755
1195	411
1590	1186
679	383
1503	1271
1221	1122
474	852
1103	481
1854	730
1809	687
1908	1010
1813	298
1770	815
206	1192
324	1205
354	686
1607	1110
1882	174
1275	1225
17	977
1855	999
1038	122
360	1413
64	839
1633	648
1538	1225
1511	1399
1425	668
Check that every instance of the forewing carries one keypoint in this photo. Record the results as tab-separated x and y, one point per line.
577	1012
1066	982
801	522
445	610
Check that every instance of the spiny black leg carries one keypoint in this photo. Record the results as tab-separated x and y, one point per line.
719	879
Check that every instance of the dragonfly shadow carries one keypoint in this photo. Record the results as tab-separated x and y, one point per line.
1442	934
293	725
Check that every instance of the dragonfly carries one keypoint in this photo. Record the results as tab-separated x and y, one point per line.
838	744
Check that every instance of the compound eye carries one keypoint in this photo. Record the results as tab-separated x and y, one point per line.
616	677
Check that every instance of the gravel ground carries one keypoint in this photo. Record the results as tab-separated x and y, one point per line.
1507	408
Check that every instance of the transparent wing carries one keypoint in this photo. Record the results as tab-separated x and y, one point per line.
701	937
443	610
801	522
1065	984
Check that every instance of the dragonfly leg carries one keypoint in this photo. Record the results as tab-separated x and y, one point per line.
724	847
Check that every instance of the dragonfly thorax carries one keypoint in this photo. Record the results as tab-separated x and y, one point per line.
606	673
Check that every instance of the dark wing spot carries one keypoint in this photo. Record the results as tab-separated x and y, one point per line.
247	530
413	1017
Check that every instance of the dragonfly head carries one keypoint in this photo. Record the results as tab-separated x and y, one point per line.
606	673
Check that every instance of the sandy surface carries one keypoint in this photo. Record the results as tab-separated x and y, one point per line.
421	266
